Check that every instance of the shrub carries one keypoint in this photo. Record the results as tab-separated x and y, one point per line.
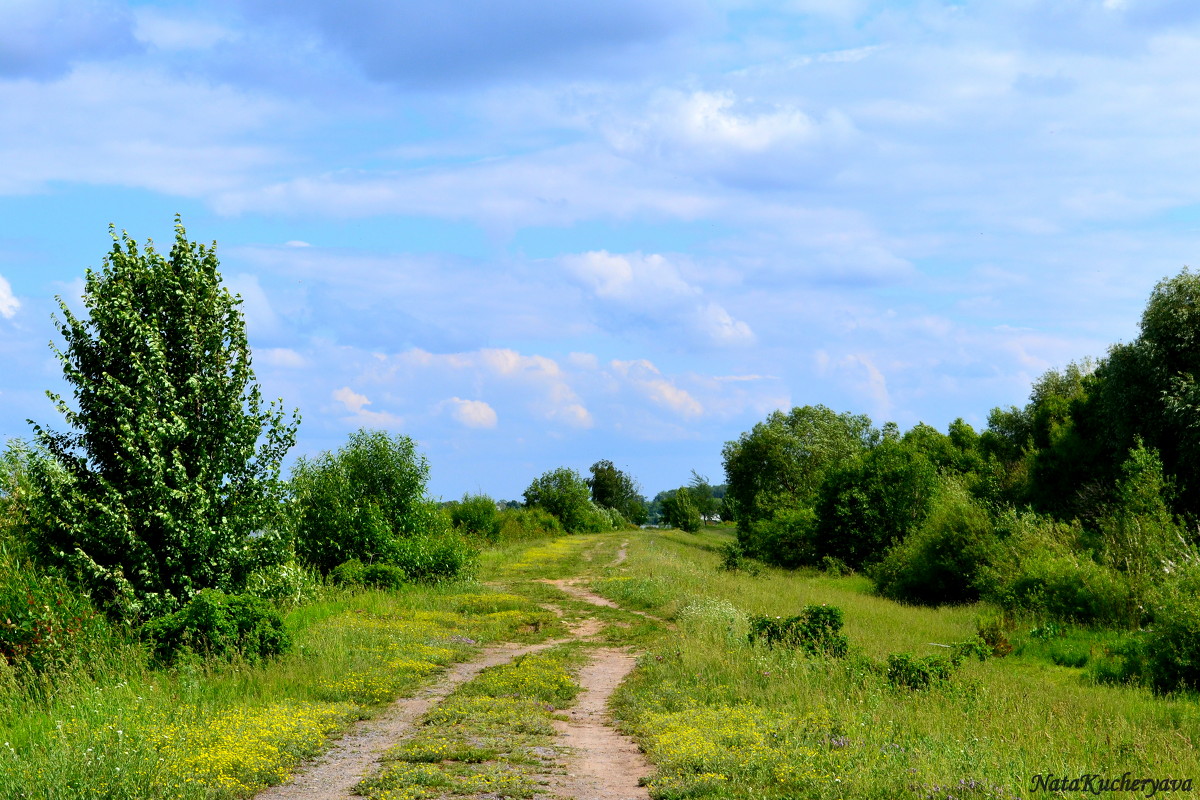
905	670
367	502
44	621
734	558
1072	588
219	625
1122	663
941	561
476	515
564	494
816	631
680	511
288	583
1173	643
784	539
519	524
872	503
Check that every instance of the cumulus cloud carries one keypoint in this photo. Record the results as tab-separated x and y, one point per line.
8	301
472	413
653	287
356	404
744	143
649	380
547	388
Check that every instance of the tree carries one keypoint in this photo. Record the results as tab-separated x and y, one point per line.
679	511
615	489
364	501
172	463
564	494
872	503
782	460
703	496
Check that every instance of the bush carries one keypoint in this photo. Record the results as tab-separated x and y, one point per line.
784	539
520	524
367	502
476	515
1173	643
287	584
941	561
44	621
563	493
816	631
868	505
679	511
734	558
219	625
1072	588
905	670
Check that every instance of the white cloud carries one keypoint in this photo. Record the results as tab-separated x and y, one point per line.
8	301
654	286
473	413
283	357
356	404
647	378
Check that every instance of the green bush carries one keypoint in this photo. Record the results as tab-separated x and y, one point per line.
907	671
520	524
869	504
941	561
1072	588
219	625
367	502
44	621
1173	643
734	558
784	539
563	493
288	583
815	631
679	510
476	515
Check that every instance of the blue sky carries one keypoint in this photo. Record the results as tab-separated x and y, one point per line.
533	234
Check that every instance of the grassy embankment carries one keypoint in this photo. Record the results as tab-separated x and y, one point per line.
723	718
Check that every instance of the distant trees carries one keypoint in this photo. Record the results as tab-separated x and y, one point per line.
366	502
615	489
782	461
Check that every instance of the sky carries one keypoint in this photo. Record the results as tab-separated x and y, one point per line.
541	233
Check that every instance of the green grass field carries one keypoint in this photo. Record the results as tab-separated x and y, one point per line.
719	716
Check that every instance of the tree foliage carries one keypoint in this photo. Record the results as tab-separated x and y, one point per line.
782	460
367	501
679	510
565	494
171	462
615	489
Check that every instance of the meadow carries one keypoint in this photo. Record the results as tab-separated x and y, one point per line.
719	715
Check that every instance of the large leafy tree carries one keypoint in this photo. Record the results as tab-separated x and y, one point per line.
616	489
170	469
781	462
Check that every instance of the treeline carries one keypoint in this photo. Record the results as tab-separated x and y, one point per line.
1082	506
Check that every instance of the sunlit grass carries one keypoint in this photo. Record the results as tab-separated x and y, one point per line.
721	717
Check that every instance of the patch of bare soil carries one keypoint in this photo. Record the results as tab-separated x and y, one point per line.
622	554
603	765
333	775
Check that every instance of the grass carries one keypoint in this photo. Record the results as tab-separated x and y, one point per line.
723	718
216	730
